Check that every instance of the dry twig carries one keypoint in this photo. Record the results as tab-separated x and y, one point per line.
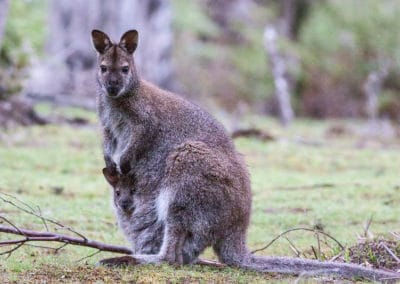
299	229
367	232
7	198
390	251
293	247
396	235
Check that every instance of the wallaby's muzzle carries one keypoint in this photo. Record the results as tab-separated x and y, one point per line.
112	91
113	86
127	206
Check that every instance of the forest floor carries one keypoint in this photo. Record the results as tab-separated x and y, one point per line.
321	175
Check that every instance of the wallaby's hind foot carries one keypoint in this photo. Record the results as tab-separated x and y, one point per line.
149	258
133	260
121	261
170	252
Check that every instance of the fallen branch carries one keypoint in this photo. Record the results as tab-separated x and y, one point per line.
29	237
37	236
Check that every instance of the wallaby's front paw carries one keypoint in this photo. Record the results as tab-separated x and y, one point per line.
118	261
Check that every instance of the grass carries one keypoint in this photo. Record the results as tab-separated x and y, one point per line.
305	178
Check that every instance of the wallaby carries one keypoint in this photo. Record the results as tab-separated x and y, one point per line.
179	184
135	212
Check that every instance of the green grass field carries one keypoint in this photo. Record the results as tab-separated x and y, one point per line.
308	177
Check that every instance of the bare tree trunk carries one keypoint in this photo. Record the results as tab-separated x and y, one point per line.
292	15
372	89
152	19
4	4
225	13
68	66
278	68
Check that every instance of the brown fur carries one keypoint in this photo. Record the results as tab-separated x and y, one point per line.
179	184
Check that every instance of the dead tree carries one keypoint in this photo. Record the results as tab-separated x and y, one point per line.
291	16
153	20
14	110
372	89
67	68
279	73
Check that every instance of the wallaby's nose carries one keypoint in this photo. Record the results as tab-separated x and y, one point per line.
113	87
126	205
113	83
112	91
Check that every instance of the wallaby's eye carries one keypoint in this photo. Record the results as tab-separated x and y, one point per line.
117	192
103	69
125	69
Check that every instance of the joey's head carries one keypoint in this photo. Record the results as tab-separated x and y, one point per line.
116	72
123	190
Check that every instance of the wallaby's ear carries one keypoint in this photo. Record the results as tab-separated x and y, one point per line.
101	41
129	41
111	176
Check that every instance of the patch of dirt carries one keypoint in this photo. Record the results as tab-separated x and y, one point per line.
253	133
298	210
77	121
79	274
88	274
338	130
376	253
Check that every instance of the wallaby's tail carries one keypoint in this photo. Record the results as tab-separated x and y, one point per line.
309	267
233	251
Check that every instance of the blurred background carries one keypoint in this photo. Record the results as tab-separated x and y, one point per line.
288	59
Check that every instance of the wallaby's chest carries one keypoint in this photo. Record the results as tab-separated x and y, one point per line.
121	130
